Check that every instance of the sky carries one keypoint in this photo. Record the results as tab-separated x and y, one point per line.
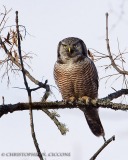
48	22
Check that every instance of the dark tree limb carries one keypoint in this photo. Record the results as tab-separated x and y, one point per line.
116	94
28	91
102	147
102	103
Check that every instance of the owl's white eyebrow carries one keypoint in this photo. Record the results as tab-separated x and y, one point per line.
64	44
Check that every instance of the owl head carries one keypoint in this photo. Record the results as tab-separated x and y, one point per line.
71	49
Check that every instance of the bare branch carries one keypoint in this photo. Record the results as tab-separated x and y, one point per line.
28	91
102	103
116	94
53	115
42	85
102	147
109	52
4	19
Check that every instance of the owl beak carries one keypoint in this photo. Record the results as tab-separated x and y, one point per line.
69	49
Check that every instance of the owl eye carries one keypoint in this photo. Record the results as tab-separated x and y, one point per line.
75	45
65	46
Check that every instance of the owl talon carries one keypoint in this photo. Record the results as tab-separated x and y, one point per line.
70	103
70	100
94	102
85	99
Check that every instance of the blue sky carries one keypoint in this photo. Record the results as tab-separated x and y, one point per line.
48	22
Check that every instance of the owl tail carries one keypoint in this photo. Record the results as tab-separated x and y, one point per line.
93	121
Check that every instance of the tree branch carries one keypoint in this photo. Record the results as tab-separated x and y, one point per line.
116	94
102	103
102	147
28	91
42	85
109	51
61	126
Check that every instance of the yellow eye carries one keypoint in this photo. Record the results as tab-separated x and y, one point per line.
75	46
64	46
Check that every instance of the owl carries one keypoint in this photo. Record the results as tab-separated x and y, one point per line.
77	78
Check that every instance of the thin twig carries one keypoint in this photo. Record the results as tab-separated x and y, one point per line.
3	21
3	100
43	85
109	51
102	147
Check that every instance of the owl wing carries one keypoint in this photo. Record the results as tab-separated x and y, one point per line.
90	112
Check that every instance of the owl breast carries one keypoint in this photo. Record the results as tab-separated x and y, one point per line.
76	79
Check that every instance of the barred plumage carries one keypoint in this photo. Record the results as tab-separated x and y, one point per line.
76	76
